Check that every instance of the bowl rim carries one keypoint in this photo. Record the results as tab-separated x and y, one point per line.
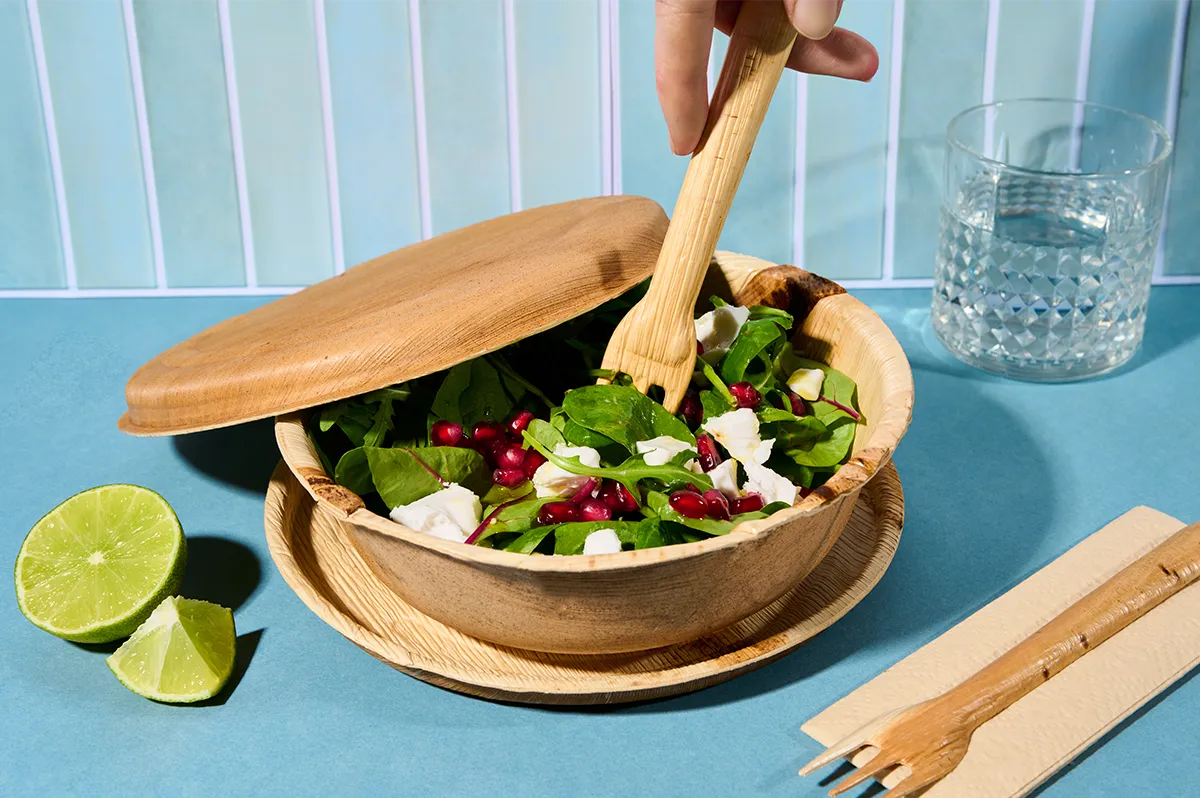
298	452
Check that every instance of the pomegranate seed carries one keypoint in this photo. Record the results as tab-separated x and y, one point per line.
510	457
518	423
798	408
558	513
618	497
718	505
533	461
487	431
745	394
688	503
490	450
594	510
446	433
699	348
707	448
691	410
750	503
508	477
585	490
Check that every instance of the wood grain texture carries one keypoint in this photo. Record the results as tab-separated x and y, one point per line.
402	315
930	739
314	550
1045	729
639	600
655	343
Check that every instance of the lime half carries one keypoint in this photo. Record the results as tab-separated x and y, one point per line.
96	565
181	654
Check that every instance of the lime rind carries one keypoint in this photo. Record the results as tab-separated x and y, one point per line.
183	653
55	580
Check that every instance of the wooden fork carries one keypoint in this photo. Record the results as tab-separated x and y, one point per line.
655	343
921	744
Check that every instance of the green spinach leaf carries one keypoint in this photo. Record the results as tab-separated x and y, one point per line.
569	538
755	342
528	542
354	472
475	391
400	478
826	451
623	415
545	433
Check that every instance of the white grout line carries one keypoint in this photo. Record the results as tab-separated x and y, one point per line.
614	60
1174	85
133	293
235	138
606	132
1177	279
418	79
143	123
799	173
850	284
895	76
56	171
989	74
331	164
1082	69
514	121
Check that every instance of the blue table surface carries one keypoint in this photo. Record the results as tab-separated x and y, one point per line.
1000	478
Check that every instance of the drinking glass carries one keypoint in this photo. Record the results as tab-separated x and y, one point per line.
1051	215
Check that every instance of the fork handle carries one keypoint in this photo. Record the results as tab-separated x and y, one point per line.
1131	593
758	50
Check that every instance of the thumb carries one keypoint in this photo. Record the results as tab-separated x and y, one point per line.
814	19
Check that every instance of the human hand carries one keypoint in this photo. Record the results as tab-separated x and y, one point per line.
683	40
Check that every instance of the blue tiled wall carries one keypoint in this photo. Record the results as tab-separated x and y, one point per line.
257	145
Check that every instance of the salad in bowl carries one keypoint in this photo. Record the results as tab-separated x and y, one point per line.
521	450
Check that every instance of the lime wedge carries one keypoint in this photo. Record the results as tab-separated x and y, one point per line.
181	654
96	565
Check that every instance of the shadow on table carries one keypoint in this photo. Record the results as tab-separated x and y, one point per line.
242	456
979	497
220	570
247	644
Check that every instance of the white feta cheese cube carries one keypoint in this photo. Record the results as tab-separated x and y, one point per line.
550	480
451	513
717	329
737	431
773	487
602	541
806	383
724	478
660	450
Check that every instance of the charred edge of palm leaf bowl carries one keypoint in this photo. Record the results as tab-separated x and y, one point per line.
650	598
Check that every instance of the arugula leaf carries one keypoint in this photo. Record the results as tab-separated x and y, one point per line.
623	415
659	504
780	317
509	375
352	417
718	386
381	424
400	479
354	472
628	473
755	342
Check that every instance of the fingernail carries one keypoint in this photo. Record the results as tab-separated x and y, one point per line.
814	18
